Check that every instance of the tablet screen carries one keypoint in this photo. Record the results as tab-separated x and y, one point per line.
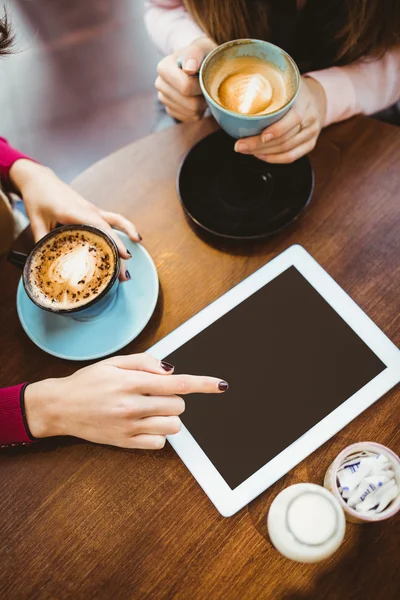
289	359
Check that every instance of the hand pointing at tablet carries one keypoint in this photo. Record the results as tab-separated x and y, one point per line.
128	401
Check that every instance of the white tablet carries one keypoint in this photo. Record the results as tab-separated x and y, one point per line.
302	360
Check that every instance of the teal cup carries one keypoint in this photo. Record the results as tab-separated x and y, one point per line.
235	124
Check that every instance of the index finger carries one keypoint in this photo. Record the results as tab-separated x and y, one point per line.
157	385
122	223
98	221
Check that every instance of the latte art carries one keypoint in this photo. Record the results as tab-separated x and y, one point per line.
248	85
245	93
71	269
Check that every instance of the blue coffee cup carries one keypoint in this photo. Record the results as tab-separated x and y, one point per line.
235	124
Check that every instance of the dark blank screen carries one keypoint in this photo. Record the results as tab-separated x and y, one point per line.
290	360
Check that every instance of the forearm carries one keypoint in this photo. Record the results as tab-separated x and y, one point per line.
169	25
24	171
43	402
364	87
8	157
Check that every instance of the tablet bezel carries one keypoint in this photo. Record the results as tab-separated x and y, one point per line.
226	500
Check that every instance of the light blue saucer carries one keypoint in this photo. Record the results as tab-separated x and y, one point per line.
68	338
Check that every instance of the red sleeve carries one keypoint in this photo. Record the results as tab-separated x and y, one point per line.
13	425
8	156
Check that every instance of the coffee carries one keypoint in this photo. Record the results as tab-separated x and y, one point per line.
248	85
71	268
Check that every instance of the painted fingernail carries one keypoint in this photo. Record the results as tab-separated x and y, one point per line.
223	386
127	275
128	252
190	65
266	138
241	147
167	366
139	237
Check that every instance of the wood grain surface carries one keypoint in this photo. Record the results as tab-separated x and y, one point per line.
79	521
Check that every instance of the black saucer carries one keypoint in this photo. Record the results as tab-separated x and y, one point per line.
237	196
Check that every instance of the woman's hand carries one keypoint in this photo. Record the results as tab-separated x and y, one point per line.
179	89
49	201
127	401
296	133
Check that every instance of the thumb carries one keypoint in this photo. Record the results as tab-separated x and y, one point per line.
191	59
39	229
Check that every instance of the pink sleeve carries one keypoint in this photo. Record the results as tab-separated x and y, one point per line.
169	25
361	87
8	156
13	425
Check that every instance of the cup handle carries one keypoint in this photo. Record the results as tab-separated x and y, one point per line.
18	259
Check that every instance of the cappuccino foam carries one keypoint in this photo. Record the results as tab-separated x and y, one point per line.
248	85
71	269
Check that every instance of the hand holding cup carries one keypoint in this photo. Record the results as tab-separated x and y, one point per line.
49	202
296	133
177	85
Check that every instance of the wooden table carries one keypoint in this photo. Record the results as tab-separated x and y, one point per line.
80	521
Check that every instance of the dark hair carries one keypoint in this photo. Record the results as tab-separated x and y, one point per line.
6	35
346	29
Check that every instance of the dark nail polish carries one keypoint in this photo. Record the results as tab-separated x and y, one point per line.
140	237
223	386
127	275
166	366
130	254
